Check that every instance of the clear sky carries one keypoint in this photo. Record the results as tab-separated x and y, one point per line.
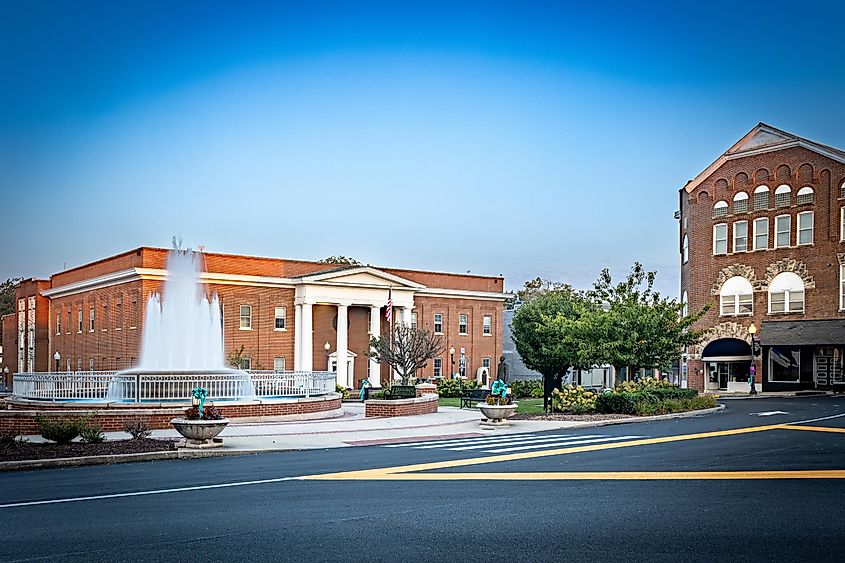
523	139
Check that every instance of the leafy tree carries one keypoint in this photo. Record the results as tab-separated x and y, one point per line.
548	331
341	260
7	295
634	326
407	351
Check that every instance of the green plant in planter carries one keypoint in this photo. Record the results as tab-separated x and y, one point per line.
208	413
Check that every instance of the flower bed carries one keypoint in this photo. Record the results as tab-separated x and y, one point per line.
19	451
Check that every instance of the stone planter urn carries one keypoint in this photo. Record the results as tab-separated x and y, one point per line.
496	415
200	433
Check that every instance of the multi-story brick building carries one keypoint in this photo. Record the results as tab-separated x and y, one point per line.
282	314
762	239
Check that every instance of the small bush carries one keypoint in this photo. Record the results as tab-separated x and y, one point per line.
574	399
527	388
92	434
344	392
138	428
62	430
454	387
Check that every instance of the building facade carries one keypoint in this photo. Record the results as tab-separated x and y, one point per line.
277	314
762	241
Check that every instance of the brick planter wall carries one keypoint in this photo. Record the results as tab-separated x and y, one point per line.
427	404
19	418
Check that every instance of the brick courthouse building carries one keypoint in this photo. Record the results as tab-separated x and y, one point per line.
283	313
762	238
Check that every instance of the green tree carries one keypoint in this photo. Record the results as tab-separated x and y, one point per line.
407	351
341	260
7	295
548	331
634	327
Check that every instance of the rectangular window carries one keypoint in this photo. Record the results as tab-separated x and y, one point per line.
805	227
777	302
487	326
133	321
80	322
105	322
278	364
783	227
79	364
69	324
728	304
784	364
58	323
842	286
438	323
740	236
90	364
413	320
720	238
761	234
280	315
485	363
438	367
783	199
91	320
246	317
462	324
246	363
842	223
119	321
761	200
746	304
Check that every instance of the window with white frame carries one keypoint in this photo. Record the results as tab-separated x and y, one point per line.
413	320
280	318
761	198
69	324
91	321
720	238
720	209
462	324
761	233
741	236
805	195
487	325
438	367
90	364
736	297
438	323
58	323
842	287
805	227
80	321
78	364
783	229
783	196
246	317
842	190
684	304
119	321
842	223
740	202
246	363
786	293
278	364
485	363
685	250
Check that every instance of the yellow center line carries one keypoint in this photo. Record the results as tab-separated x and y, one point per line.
814	428
384	472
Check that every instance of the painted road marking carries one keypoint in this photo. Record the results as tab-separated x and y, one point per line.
540	442
536	446
606	475
768	413
815	428
478	439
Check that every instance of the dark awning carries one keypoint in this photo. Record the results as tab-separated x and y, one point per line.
803	333
726	350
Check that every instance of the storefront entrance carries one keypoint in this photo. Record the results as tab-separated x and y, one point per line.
727	373
728	364
828	367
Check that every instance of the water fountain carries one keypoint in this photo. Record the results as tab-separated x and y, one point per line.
182	342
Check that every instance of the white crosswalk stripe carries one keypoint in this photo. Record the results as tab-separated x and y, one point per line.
512	442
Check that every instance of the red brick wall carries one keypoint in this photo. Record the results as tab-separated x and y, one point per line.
402	407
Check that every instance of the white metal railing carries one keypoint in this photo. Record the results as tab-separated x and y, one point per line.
164	386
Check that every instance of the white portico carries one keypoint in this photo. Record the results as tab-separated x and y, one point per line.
345	288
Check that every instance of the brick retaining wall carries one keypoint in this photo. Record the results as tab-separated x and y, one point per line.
427	404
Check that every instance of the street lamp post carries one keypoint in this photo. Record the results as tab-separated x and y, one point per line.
6	377
452	355
57	357
752	330
327	347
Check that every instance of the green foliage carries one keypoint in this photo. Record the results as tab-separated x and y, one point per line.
10	440
527	388
573	399
454	387
92	434
234	359
649	397
7	295
61	430
138	428
497	400
344	392
340	260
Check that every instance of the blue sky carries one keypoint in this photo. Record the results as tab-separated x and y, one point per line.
523	139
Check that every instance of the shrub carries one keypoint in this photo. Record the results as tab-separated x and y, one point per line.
62	430
208	413
527	388
454	387
92	434
344	392
138	428
651	400
574	399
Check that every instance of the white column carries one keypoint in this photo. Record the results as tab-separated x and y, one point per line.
307	350
297	338
375	330
342	344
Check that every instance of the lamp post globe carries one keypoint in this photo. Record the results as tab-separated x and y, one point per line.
452	356
57	357
752	330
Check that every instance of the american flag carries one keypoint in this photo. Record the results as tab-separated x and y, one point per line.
389	313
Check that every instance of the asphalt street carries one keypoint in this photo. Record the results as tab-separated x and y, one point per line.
762	480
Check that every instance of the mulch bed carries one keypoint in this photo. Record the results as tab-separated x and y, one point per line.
26	451
579	417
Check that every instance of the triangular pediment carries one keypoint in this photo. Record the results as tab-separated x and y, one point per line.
761	136
364	276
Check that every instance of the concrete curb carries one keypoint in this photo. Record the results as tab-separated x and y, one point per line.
786	396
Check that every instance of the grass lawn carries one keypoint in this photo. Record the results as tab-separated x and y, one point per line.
524	406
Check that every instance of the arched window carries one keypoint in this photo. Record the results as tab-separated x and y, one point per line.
685	251
736	297
761	198
842	190
805	195
740	202
685	303
783	196
720	209
786	293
